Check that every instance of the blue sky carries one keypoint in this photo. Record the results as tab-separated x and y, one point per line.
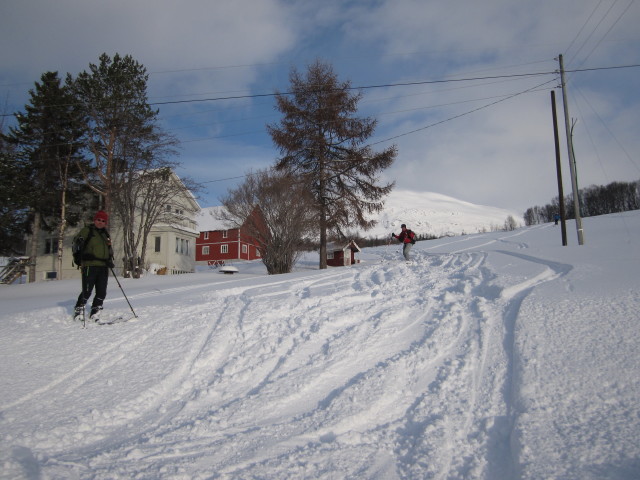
487	141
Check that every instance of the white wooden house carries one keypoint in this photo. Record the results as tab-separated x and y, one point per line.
171	243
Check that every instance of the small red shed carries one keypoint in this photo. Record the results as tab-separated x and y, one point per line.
339	255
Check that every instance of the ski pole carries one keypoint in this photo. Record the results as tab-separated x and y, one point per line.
125	295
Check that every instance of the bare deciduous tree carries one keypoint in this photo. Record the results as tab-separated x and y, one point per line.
510	224
141	203
275	209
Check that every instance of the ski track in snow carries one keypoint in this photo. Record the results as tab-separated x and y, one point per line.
409	364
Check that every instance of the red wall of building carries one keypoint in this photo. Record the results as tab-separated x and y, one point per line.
232	240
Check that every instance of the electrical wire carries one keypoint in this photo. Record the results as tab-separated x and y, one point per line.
465	113
389	85
592	31
427	126
604	124
607	32
581	30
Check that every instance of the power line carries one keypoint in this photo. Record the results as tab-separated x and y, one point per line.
584	42
400	84
606	126
363	87
389	85
441	105
607	32
502	99
580	31
425	127
464	114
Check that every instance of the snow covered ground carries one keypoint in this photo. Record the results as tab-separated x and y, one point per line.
492	356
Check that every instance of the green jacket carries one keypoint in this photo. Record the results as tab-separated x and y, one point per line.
97	252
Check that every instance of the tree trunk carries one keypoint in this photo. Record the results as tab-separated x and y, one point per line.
61	230
323	238
323	217
33	253
63	217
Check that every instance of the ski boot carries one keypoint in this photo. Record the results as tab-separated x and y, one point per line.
78	314
95	314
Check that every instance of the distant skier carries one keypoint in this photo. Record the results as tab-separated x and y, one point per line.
556	218
408	238
96	257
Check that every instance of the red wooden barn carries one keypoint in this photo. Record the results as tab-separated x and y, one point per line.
217	244
340	255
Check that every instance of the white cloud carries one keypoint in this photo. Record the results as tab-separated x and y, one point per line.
502	155
161	34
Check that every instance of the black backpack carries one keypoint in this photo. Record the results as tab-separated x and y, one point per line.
79	244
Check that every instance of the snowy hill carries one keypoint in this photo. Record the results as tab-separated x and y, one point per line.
493	356
437	215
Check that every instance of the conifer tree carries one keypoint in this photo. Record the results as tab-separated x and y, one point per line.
321	139
120	125
129	151
46	143
14	202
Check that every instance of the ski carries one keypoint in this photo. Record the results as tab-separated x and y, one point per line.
106	320
111	320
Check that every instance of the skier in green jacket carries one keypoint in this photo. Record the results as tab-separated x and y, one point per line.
97	258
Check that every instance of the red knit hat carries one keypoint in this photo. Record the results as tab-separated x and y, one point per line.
101	215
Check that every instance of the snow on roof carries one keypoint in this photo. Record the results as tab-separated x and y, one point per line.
333	246
207	220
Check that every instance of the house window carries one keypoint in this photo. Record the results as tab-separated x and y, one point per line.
206	235
329	255
182	246
49	246
244	249
224	248
205	250
157	245
257	253
225	234
168	208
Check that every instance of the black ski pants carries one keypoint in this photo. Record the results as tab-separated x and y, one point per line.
97	277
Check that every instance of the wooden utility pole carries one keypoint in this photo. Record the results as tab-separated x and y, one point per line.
572	167
563	225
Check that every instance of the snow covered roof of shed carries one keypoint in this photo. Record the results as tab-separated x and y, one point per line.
207	220
334	246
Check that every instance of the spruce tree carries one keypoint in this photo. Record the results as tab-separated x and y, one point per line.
46	142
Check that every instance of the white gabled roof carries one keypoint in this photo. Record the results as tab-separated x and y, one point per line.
207	220
351	245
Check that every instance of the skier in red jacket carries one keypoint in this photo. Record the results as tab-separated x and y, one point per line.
408	238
